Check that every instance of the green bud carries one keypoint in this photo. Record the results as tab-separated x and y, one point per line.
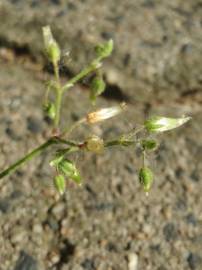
160	124
149	144
104	50
51	47
146	178
49	109
59	183
97	88
69	169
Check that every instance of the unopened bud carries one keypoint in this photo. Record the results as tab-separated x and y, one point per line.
97	88
59	183
49	109
149	144
95	144
105	113
69	170
51	46
146	178
105	50
160	124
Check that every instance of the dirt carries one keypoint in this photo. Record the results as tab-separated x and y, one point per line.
108	223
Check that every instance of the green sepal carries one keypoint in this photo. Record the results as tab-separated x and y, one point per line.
149	144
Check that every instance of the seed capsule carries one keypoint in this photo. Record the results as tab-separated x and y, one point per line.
59	183
146	178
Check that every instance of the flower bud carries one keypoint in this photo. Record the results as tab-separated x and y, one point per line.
59	183
51	46
104	50
146	178
49	109
97	88
105	113
149	144
95	144
69	170
160	124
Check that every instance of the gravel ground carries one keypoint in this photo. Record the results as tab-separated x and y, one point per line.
108	223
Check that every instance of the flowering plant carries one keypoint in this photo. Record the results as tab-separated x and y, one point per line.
63	166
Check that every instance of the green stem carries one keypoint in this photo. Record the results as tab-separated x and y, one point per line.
35	152
58	101
90	68
26	158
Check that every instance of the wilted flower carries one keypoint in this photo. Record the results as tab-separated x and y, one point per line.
105	113
95	144
161	124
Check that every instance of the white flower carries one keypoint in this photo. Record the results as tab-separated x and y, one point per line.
105	113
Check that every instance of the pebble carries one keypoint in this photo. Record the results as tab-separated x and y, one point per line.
4	206
19	235
194	261
26	262
34	125
170	232
132	261
88	264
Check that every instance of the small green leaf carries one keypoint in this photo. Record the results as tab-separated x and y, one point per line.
59	183
104	50
146	178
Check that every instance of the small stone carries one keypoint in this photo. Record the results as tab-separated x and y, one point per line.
191	219
194	261
19	235
4	206
132	261
194	176
170	232
58	209
34	125
37	228
88	264
12	134
26	262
